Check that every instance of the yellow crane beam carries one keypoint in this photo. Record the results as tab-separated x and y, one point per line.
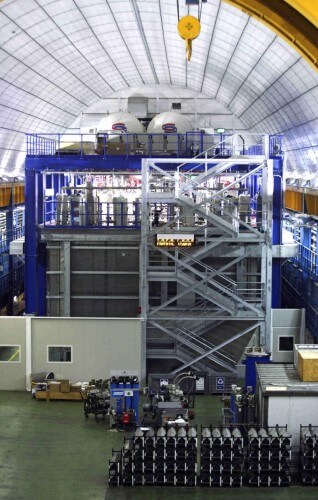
308	8
296	21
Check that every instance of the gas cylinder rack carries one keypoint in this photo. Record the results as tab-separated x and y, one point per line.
222	456
166	457
309	455
269	456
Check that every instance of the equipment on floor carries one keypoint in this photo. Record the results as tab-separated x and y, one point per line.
168	405
39	381
222	456
97	399
230	456
308	455
242	405
124	389
242	400
162	458
269	456
42	376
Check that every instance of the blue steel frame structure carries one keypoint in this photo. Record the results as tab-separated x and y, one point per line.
39	163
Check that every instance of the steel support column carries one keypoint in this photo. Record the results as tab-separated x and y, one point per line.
31	291
267	251
41	253
9	232
67	278
277	230
143	264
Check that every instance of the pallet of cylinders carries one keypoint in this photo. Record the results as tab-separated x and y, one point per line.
176	456
166	457
309	455
128	463
221	456
268	456
186	456
149	457
115	469
138	440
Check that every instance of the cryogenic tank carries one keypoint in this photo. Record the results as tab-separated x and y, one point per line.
170	122
120	122
110	136
173	126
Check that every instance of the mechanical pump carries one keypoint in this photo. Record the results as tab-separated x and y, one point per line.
169	405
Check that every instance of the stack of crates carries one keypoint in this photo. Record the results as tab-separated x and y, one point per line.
309	455
114	469
269	457
222	456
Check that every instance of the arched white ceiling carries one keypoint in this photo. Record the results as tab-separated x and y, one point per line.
57	57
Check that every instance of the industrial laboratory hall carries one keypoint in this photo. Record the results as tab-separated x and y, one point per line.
158	249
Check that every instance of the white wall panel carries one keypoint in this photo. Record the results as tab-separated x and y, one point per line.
99	345
12	375
286	323
293	411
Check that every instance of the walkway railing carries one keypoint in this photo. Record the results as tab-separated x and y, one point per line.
189	145
73	212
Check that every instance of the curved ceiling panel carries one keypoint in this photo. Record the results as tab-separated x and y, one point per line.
57	57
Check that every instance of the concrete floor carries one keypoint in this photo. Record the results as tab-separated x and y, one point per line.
50	451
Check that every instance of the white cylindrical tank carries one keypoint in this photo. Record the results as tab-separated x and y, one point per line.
170	122
120	122
110	132
172	127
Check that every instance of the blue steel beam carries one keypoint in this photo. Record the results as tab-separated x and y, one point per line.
9	232
277	231
30	243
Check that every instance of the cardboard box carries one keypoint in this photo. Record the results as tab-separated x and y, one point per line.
55	386
65	385
308	366
76	387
